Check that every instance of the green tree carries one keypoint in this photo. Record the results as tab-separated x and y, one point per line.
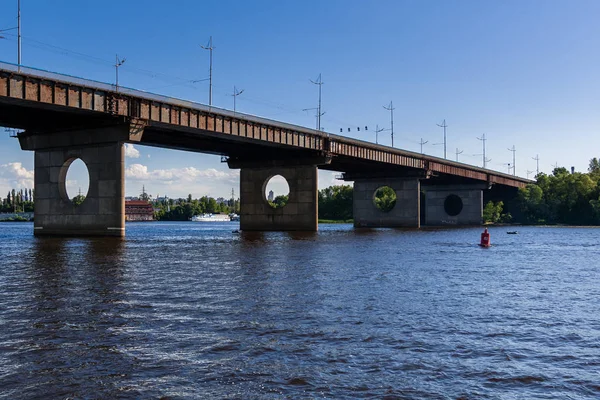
78	200
279	201
594	166
385	198
335	203
494	212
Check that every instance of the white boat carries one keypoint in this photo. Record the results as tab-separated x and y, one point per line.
234	217
211	218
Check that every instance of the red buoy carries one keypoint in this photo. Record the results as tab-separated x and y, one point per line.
485	239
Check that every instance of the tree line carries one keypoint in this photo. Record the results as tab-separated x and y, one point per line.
557	198
184	209
17	201
563	197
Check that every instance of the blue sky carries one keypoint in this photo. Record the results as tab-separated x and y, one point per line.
525	73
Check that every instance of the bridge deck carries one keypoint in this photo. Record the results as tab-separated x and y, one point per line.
41	101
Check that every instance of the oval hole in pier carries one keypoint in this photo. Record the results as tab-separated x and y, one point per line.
453	205
277	191
77	181
385	198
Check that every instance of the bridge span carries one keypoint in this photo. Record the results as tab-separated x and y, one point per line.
64	118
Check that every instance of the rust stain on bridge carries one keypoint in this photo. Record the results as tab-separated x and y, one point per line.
31	90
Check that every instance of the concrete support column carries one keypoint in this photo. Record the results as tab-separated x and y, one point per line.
103	210
299	214
404	214
454	205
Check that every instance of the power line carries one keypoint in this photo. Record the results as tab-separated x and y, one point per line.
209	47
529	173
391	109
443	125
101	61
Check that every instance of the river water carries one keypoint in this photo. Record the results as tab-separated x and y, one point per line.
193	310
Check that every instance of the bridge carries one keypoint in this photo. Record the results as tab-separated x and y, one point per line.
64	118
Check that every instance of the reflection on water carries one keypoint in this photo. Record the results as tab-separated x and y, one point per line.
183	310
71	315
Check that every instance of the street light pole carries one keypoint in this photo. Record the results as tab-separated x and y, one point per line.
483	139
443	125
236	94
19	32
210	48
319	114
118	63
513	163
377	130
391	109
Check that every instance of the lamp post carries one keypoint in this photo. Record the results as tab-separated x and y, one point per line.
319	113
210	48
19	32
236	94
443	125
391	109
118	63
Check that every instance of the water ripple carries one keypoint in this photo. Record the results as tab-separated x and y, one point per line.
183	310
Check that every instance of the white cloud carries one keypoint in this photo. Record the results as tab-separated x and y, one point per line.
179	182
188	174
15	176
328	178
131	151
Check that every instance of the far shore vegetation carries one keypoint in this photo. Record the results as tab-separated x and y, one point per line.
560	198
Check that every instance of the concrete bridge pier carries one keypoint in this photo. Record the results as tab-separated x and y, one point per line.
102	213
301	211
299	214
454	204
406	212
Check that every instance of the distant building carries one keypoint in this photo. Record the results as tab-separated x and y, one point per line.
138	210
271	195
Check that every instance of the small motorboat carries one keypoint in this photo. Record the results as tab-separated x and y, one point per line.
512	232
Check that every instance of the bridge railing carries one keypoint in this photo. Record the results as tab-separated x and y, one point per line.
123	90
329	139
